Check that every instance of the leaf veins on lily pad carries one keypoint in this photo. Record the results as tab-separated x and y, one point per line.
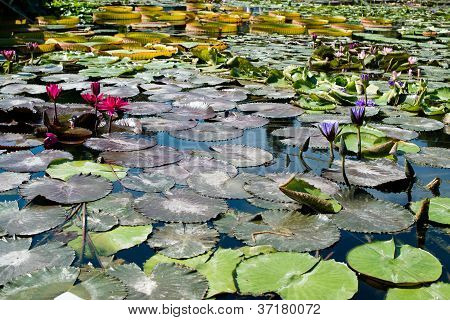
148	182
180	205
65	170
26	161
296	276
119	142
388	262
16	257
76	189
179	240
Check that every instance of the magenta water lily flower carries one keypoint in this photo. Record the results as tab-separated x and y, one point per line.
110	105
32	46
50	140
53	91
95	88
9	55
92	99
314	37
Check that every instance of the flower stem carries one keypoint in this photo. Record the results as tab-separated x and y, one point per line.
55	116
358	128
331	151
110	124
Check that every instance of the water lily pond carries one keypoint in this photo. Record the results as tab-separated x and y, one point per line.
225	150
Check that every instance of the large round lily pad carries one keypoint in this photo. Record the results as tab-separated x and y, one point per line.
241	156
401	265
30	220
438	210
208	132
288	231
167	281
153	157
16	257
186	114
180	205
397	133
100	286
147	108
77	189
26	161
148	182
435	291
244	122
218	184
432	157
181	241
363	213
296	136
415	123
119	142
267	187
121	206
11	180
65	170
44	284
367	173
271	110
296	276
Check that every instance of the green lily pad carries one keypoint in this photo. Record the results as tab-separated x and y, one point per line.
401	265
296	276
100	287
68	169
436	291
432	157
438	210
109	242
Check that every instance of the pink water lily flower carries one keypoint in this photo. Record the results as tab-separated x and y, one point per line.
395	75
92	99
362	55
50	140
95	88
9	55
110	105
386	50
53	91
32	46
412	60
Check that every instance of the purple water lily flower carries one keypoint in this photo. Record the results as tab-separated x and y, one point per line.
357	115
362	103
329	129
365	78
314	37
352	45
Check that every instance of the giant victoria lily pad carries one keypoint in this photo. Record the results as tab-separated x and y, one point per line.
77	189
271	110
363	213
11	180
183	240
432	157
296	276
167	281
208	132
287	231
16	257
180	205
240	155
401	265
368	173
30	220
26	161
153	157
119	142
